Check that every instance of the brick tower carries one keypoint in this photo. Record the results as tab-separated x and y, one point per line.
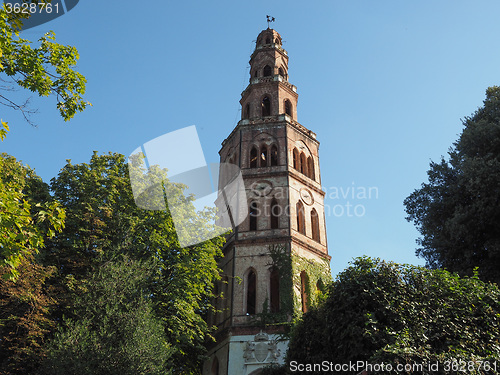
277	258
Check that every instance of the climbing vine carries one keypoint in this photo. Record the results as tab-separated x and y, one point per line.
290	266
318	276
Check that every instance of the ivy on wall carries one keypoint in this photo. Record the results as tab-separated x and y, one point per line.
290	266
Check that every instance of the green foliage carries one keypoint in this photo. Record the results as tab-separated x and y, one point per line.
274	370
386	312
28	215
103	221
46	69
458	211
114	329
318	275
282	261
25	307
289	269
4	131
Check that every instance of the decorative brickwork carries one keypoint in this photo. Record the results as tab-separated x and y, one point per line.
280	166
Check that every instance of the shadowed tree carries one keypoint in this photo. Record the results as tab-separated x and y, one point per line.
458	211
103	222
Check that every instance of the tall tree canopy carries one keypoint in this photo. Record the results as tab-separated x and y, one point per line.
104	222
47	68
458	211
28	214
382	312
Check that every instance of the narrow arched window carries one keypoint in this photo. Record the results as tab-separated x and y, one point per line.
310	167
303	163
315	225
215	367
253	213
275	212
301	222
275	290
251	292
303	290
268	71
263	156
281	72
247	111
288	107
274	156
296	160
253	157
266	106
320	286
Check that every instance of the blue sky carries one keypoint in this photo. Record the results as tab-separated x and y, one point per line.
383	84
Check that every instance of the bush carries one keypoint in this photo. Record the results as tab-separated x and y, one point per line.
401	314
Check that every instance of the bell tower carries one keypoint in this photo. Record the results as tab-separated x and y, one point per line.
276	261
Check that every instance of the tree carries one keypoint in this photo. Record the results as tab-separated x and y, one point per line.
114	329
103	222
458	211
28	215
382	312
25	320
46	69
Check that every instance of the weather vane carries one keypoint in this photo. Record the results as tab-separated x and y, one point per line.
269	20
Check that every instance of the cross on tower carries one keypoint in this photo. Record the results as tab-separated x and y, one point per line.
269	20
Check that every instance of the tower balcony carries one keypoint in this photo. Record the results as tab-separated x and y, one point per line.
272	45
275	78
274	119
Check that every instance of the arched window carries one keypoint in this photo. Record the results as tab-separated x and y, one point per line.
275	290
281	72
251	292
310	167
275	211
296	159
253	215
303	163
246	114
315	225
268	40
303	290
253	157
263	156
288	107
301	222
266	106
268	71
274	156
215	367
320	286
